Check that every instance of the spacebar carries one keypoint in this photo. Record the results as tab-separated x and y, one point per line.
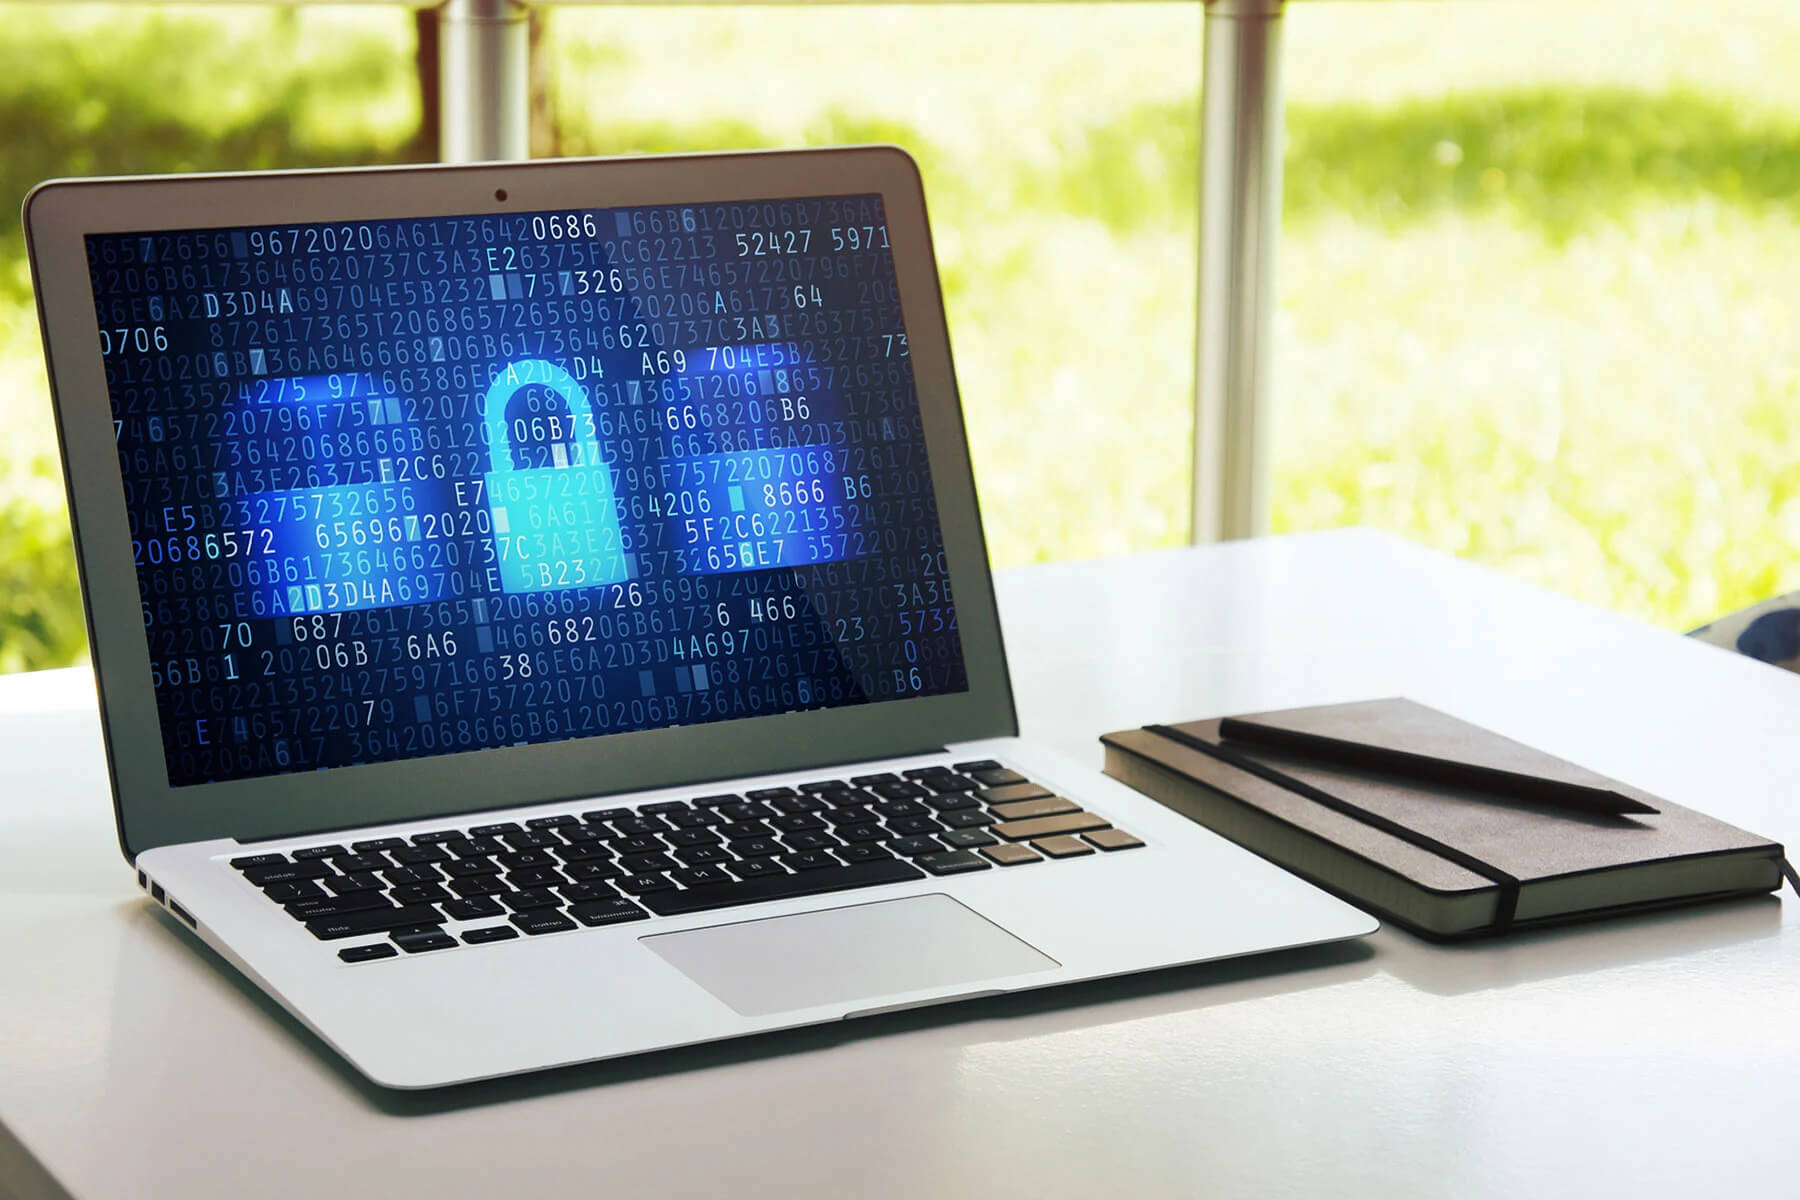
779	887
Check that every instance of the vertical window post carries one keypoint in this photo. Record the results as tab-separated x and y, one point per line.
1240	226
484	79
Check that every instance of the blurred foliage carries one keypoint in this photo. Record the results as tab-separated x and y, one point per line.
1537	319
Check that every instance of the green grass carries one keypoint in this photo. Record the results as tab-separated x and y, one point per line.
1538	301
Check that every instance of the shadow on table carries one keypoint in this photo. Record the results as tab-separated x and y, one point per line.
1456	969
1053	1010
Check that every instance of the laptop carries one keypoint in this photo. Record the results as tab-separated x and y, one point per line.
541	614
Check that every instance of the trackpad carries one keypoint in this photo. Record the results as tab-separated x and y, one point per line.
846	954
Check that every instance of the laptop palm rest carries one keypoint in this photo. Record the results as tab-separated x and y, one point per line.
845	954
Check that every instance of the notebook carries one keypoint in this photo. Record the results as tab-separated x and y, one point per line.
1442	861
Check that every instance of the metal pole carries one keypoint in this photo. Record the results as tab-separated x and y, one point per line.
484	80
1240	223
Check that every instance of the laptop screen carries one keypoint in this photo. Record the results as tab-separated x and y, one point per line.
405	488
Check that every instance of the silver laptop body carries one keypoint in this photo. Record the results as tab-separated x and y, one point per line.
559	586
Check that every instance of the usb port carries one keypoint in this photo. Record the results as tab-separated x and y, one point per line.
156	892
183	914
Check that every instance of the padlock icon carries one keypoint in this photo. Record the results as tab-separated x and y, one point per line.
555	527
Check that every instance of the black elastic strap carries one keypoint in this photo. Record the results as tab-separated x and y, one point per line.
1787	868
1505	906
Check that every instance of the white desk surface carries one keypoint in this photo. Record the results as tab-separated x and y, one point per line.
1651	1057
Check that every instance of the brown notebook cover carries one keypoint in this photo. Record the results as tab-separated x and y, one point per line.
1443	861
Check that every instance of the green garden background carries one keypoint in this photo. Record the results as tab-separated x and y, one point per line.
1540	299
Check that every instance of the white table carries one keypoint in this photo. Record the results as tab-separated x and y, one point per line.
1651	1057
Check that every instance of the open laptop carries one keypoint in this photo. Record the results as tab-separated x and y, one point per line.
541	613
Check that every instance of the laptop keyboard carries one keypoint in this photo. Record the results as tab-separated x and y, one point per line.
497	882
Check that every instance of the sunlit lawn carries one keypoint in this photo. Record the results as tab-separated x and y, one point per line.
1539	301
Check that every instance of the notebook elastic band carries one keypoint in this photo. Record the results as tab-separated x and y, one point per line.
1505	905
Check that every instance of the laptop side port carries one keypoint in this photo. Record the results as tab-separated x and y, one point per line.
182	913
156	892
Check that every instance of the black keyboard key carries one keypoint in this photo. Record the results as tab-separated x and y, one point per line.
356	864
489	933
640	864
639	826
862	854
925	772
312	910
577	835
494	830
811	841
542	920
286	872
700	856
344	885
996	777
468	868
531	839
851	814
914	826
600	816
980	764
419	893
860	833
808	860
746	829
475	847
436	837
797	823
600	868
953	862
641	843
556	822
400	876
374	920
581	893
779	887
368	953
913	847
800	804
761	847
899	791
900	808
535	877
376	845
531	898
419	941
950	802
825	785
692	837
607	912
770	793
413	856
473	908
699	876
479	885
586	852
299	889
717	799
306	853
967	839
756	868
866	780
525	858
664	807
948	784
966	818
639	885
246	861
693	818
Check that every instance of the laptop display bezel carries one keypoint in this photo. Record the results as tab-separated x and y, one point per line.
60	214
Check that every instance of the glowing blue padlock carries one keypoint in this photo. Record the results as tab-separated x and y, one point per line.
555	527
